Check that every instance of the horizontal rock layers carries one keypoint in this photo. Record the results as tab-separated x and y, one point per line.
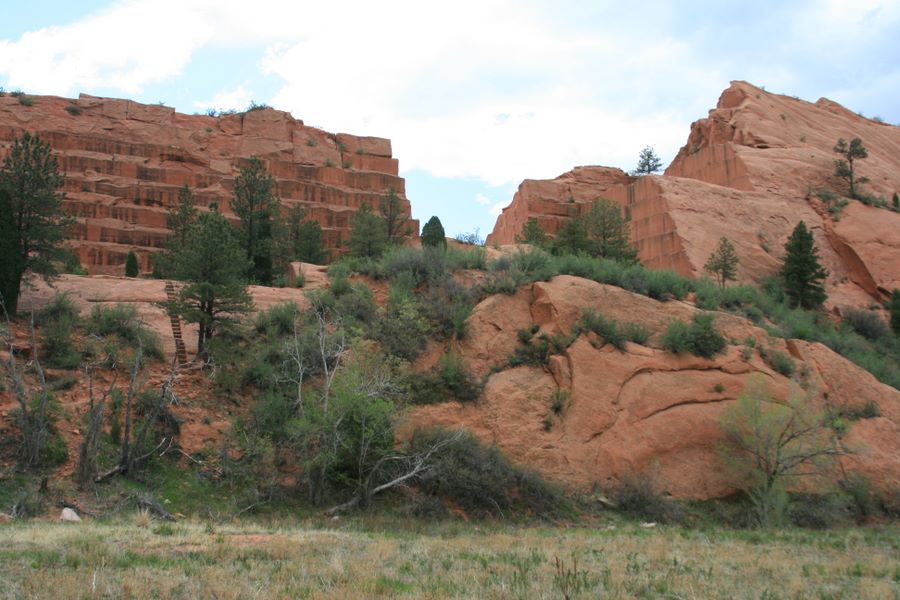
124	163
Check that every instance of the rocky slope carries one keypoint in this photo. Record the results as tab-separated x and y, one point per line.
124	163
750	171
644	410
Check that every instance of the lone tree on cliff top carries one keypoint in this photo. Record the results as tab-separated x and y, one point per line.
801	271
32	223
648	162
843	167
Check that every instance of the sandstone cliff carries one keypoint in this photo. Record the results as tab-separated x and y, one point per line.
644	410
124	163
750	171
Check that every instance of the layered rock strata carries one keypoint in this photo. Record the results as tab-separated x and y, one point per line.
124	163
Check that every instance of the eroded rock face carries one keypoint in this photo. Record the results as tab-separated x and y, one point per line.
750	171
124	163
643	410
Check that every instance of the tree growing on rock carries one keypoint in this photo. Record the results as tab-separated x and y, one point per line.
131	264
368	234
771	443
215	266
33	224
648	162
608	231
801	272
394	218
180	217
843	167
256	206
532	234
301	238
723	262
433	234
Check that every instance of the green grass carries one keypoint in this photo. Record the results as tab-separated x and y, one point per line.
411	558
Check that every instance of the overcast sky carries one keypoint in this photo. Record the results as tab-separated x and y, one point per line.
475	95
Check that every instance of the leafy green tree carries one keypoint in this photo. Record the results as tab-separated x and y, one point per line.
843	167
895	311
608	231
723	262
214	265
648	162
395	219
433	234
131	265
256	206
180	217
532	234
32	222
368	234
801	272
771	443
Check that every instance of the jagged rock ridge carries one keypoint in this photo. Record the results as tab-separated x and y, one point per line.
124	162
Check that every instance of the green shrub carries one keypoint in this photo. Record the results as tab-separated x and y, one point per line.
425	265
482	482
607	329
818	511
60	306
73	109
558	401
699	337
867	323
123	322
131	265
278	320
58	349
637	496
402	330
450	380
778	360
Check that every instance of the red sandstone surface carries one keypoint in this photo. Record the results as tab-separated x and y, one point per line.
124	163
750	171
643	410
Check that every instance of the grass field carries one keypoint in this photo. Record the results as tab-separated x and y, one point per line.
142	558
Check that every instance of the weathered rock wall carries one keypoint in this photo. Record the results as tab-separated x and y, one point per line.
124	163
750	171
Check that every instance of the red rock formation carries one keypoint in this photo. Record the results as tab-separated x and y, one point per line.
643	410
749	171
124	162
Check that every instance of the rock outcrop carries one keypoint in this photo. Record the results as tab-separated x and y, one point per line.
124	163
750	171
644	410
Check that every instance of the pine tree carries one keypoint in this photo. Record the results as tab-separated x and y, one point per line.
256	206
894	309
368	234
572	238
433	234
843	167
395	219
299	239
32	222
180	217
648	162
801	272
532	234
608	231
131	265
215	265
722	263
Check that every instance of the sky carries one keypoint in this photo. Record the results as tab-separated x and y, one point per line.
475	95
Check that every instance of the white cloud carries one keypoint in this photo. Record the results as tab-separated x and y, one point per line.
497	208
482	199
494	89
236	99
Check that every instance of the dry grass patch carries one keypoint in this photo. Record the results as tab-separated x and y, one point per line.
300	560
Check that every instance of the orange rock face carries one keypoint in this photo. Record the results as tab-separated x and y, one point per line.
124	163
750	171
643	410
